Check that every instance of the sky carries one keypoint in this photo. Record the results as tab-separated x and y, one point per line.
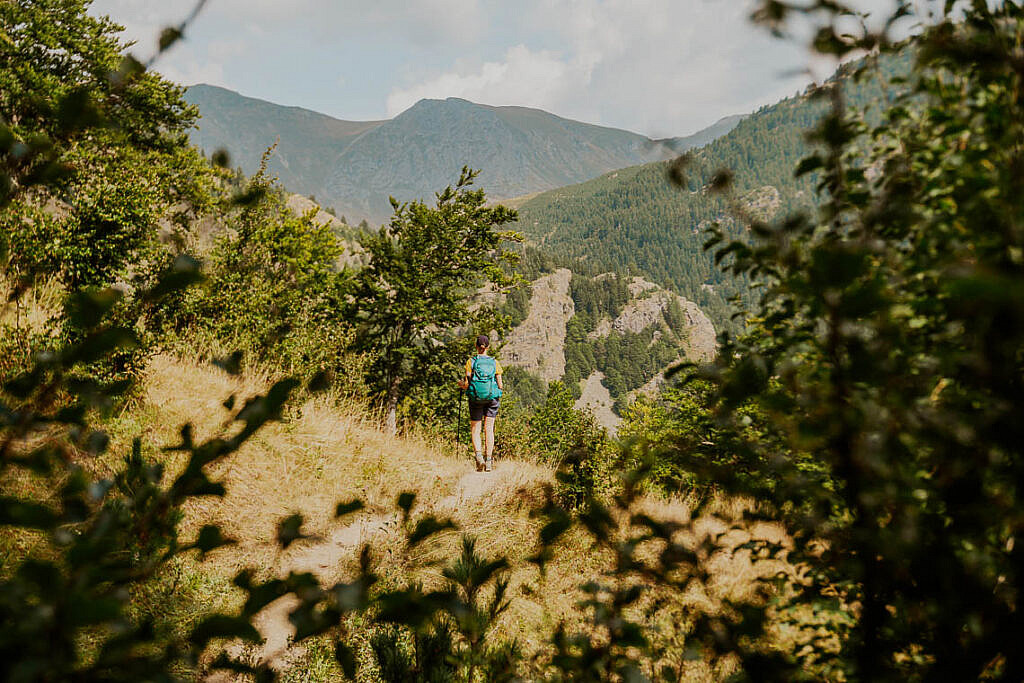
657	67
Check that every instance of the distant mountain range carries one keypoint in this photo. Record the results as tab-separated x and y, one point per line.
354	166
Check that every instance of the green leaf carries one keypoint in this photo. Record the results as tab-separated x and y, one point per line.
221	158
554	529
230	364
427	527
168	37
811	163
183	273
129	68
210	538
259	594
101	344
78	112
721	180
28	515
225	662
321	381
87	308
405	502
85	610
223	626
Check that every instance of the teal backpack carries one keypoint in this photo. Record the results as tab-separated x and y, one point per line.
482	384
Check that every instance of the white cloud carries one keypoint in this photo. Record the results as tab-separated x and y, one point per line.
223	50
422	21
527	78
655	65
661	67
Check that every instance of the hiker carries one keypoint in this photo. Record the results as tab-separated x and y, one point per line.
483	387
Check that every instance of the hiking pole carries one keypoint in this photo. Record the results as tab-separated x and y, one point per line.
458	425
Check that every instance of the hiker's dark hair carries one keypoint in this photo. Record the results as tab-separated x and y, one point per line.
483	341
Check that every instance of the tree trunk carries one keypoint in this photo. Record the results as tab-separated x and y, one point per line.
391	407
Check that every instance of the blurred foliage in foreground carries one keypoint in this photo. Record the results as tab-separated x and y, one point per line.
888	349
873	411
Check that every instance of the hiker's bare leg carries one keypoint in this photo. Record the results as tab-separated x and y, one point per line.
489	432
474	429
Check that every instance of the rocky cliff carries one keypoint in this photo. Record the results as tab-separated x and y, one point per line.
595	397
538	343
648	307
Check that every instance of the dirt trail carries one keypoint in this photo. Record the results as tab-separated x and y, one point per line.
322	558
319	559
324	452
474	485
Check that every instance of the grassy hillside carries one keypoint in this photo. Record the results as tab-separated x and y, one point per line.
328	449
307	141
635	219
323	453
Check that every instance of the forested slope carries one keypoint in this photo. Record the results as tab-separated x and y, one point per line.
636	220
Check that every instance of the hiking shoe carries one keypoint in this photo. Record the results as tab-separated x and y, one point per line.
479	463
489	465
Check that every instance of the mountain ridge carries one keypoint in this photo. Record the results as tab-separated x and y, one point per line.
355	166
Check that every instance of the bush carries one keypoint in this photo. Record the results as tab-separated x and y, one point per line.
66	601
886	351
274	291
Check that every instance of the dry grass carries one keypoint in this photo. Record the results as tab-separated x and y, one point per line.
320	455
324	453
34	309
327	451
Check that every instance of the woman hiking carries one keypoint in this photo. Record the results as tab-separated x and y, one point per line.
483	386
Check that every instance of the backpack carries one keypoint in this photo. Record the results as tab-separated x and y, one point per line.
482	384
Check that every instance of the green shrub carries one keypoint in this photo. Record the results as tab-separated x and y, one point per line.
274	291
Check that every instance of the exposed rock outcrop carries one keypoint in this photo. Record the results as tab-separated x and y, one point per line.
300	205
637	286
763	203
538	344
648	308
596	398
637	315
701	340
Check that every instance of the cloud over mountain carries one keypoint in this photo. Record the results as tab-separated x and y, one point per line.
660	67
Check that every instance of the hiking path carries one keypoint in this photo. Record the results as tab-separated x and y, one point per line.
323	557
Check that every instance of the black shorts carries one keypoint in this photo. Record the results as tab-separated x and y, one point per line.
478	410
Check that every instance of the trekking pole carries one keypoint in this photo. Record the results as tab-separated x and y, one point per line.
458	424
